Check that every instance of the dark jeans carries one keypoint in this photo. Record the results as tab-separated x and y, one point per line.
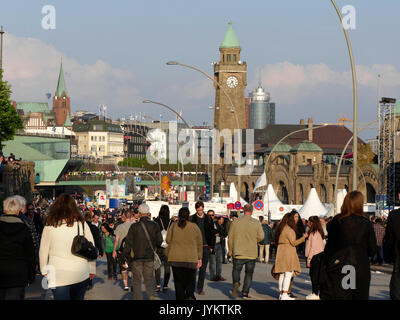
379	255
216	262
249	270
203	269
111	265
185	280
314	272
167	269
74	291
12	293
395	286
142	269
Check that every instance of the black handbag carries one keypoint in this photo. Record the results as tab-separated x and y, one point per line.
82	247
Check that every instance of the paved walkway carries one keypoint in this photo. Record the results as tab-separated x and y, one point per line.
263	287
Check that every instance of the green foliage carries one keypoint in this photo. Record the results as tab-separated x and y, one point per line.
10	121
365	154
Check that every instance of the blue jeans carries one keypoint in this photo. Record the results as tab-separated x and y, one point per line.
249	270
216	262
74	291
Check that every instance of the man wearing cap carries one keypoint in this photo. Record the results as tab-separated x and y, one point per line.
244	235
138	242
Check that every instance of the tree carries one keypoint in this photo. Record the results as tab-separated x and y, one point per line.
365	154
10	121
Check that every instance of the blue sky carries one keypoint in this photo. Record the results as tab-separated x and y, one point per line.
114	53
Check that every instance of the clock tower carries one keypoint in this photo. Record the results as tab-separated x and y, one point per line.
230	72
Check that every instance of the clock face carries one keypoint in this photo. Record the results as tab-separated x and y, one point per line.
232	82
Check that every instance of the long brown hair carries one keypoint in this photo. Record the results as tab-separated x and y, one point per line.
64	208
316	226
353	204
288	219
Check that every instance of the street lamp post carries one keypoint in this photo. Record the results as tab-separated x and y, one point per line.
354	77
174	63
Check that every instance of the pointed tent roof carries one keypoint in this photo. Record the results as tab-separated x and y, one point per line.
233	194
312	206
61	83
230	39
270	199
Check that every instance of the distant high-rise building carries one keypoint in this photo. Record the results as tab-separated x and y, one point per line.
262	111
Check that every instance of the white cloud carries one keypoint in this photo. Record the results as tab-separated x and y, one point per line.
32	66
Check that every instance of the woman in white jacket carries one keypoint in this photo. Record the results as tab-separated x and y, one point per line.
67	275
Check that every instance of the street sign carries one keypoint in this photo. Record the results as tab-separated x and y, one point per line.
258	205
87	199
238	205
138	179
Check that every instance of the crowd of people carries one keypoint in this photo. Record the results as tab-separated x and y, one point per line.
36	239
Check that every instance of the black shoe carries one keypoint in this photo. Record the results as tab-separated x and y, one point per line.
245	295
165	289
192	297
292	295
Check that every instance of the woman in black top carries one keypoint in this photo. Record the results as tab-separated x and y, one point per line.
351	240
17	254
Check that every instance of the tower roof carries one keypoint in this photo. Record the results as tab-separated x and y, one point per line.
61	83
230	39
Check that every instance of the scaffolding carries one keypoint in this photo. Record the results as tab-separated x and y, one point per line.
386	184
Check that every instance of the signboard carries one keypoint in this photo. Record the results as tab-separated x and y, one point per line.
138	179
238	205
108	187
87	199
115	188
102	200
190	196
258	205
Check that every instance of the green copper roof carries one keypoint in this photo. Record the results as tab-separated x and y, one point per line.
230	39
68	122
306	146
61	83
29	107
282	147
397	109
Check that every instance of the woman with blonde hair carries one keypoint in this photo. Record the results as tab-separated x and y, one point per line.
287	262
67	274
351	244
17	253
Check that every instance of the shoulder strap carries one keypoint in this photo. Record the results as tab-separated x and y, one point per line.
147	235
162	224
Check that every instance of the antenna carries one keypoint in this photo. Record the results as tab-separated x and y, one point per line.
259	77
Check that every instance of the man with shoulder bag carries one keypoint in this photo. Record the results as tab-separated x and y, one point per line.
143	238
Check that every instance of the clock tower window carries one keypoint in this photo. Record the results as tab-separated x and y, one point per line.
234	58
228	58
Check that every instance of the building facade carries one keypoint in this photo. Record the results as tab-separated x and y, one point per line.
262	111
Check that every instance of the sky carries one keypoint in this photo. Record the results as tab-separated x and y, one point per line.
115	52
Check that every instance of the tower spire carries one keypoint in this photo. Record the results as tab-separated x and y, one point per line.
259	77
61	87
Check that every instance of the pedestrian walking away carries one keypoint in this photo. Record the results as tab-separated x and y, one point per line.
185	249
67	274
142	238
244	235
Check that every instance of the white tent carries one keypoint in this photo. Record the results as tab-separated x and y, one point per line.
341	194
275	206
312	206
233	194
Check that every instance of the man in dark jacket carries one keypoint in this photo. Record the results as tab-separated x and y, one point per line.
206	227
143	255
392	238
17	255
98	243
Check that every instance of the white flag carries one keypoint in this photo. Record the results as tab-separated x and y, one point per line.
261	181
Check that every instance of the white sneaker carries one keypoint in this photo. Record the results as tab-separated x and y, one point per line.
312	296
285	296
280	297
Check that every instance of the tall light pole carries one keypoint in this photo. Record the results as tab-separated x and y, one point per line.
354	77
188	127
174	63
1	47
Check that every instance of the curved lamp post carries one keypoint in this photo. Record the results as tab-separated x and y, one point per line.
354	161
187	125
174	63
272	150
354	77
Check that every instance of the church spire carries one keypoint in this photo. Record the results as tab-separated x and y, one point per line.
61	88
